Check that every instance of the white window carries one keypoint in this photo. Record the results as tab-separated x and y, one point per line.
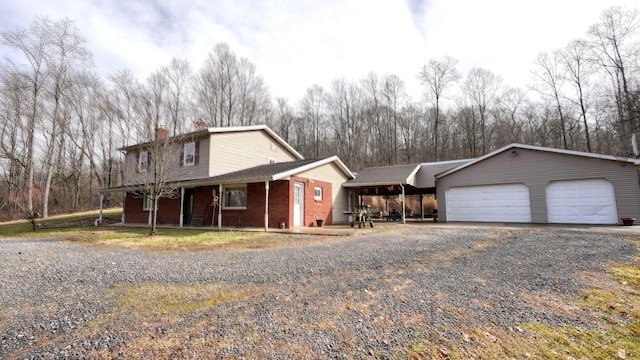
189	154
317	193
147	203
235	197
143	161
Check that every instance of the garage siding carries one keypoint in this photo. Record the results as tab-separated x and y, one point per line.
536	169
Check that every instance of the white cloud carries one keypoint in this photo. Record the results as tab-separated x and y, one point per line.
296	44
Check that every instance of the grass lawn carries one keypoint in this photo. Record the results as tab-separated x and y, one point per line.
79	227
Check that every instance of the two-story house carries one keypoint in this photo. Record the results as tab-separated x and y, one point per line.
236	176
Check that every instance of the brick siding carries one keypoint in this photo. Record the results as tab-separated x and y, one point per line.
280	206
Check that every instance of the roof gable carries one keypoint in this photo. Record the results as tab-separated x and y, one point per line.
265	128
514	146
426	177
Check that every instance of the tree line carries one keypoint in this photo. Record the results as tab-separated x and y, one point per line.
62	123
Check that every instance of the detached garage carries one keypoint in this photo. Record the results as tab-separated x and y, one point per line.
531	184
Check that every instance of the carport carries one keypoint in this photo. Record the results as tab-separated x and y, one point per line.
399	180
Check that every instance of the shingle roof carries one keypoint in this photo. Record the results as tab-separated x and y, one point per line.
385	175
260	172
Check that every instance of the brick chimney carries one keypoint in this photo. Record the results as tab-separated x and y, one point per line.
162	134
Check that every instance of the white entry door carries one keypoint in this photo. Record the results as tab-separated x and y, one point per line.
590	201
298	204
489	203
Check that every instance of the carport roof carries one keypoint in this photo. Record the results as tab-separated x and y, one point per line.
514	146
384	175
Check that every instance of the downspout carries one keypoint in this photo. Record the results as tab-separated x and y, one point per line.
404	220
220	206
266	206
182	207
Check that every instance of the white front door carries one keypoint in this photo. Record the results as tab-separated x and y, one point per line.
298	204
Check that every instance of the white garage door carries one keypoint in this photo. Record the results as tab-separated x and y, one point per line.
491	203
581	202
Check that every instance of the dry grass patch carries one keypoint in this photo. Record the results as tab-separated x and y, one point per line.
161	299
156	320
444	258
610	309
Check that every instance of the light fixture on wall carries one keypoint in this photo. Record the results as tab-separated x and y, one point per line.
515	152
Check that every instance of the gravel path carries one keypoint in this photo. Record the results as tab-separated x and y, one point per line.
373	295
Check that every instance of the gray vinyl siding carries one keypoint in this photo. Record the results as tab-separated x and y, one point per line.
176	171
536	169
199	170
235	151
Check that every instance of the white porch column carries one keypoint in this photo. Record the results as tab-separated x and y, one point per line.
404	220
181	207
124	205
266	206
221	197
150	210
99	221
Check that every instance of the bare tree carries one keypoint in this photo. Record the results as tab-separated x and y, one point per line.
575	60
481	86
547	72
410	123
178	78
14	97
509	105
437	76
313	109
32	45
229	90
283	121
617	51
67	55
373	109
157	166
395	96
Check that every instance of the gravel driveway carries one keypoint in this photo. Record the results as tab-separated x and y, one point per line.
371	295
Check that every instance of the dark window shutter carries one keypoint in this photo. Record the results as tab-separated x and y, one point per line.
197	155
182	155
149	159
137	164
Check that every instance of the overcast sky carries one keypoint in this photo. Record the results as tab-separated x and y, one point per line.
297	43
